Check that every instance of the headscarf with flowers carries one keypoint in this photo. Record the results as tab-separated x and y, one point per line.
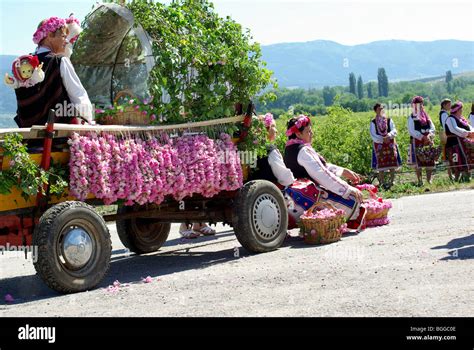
456	107
422	116
47	26
301	121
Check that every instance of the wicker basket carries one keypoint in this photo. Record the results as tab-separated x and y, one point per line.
322	231
129	116
428	154
370	216
374	216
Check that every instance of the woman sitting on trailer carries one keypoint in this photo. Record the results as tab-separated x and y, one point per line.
272	167
319	180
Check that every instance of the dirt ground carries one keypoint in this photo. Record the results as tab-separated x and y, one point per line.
422	264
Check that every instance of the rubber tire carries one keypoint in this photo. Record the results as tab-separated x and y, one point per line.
46	236
242	216
127	232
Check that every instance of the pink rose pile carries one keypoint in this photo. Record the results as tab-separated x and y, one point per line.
376	206
323	214
146	171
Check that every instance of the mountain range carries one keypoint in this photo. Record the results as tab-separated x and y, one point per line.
321	62
318	63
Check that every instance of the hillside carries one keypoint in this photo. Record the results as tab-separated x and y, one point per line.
319	63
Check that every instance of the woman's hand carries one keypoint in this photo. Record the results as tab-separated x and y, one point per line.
427	140
351	176
357	194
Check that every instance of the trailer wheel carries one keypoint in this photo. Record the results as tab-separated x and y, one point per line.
260	218
74	247
141	235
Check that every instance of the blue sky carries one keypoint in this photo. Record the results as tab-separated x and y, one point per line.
273	21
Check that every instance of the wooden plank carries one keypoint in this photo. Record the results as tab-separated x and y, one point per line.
64	130
131	128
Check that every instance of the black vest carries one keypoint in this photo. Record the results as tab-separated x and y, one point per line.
34	103
291	161
377	129
440	120
452	138
419	127
264	170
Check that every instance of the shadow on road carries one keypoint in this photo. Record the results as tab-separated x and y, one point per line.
131	268
180	255
459	248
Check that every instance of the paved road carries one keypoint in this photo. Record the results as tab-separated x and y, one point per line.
422	264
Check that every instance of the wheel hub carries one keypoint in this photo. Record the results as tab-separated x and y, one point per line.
266	216
77	247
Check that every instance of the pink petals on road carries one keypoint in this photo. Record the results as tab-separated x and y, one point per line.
117	286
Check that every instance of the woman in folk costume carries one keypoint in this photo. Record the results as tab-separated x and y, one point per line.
385	154
443	116
318	180
272	167
422	131
60	86
460	142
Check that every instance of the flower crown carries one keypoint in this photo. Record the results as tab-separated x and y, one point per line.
302	121
456	107
417	99
47	26
268	120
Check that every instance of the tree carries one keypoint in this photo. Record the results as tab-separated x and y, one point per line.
360	88
352	83
382	82
449	76
328	95
207	63
370	93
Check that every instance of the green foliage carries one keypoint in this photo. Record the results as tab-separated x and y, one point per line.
382	82
315	101
352	83
370	90
256	140
343	139
343	136
360	88
27	176
328	95
449	76
204	64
